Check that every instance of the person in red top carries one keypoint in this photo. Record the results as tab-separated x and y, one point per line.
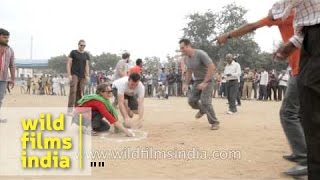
137	68
290	109
102	112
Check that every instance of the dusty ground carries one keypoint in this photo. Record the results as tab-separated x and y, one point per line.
255	132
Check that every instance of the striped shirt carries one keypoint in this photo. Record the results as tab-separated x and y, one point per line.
6	61
307	14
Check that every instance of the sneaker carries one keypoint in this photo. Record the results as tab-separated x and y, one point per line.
230	112
199	115
214	127
3	120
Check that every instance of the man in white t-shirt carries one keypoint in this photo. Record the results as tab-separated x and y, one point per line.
283	83
132	89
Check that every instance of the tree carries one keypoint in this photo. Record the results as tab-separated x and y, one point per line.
152	64
202	28
105	61
58	63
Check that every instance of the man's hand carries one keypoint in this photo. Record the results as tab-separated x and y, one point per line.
284	51
11	83
202	85
222	39
129	134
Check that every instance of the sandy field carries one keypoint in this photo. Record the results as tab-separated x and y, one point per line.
254	132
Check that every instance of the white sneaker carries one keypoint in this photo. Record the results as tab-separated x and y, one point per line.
230	112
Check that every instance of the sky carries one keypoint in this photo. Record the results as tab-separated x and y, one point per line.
142	27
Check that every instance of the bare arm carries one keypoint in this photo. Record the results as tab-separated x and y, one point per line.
123	129
122	107
140	108
210	72
242	30
87	68
69	64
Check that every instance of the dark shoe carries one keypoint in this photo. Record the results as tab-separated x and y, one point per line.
293	158
199	115
297	171
215	127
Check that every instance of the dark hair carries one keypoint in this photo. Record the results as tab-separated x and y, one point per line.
81	41
134	77
4	32
102	88
185	42
138	62
125	55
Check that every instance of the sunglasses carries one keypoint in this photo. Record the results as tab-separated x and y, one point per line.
82	45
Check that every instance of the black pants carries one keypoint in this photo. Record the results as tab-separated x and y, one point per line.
232	94
132	100
263	92
149	90
255	90
281	91
309	90
98	124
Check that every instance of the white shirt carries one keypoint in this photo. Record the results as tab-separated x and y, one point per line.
149	79
234	69
264	78
123	88
284	79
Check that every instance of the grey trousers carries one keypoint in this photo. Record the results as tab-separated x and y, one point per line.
202	100
291	119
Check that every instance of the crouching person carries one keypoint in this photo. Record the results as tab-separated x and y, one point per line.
103	114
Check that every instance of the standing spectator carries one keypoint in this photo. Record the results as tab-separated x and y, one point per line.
137	68
122	67
233	73
223	87
273	85
171	79
149	83
179	83
248	82
23	86
163	79
217	81
154	84
255	85
241	84
264	79
62	82
283	83
55	86
93	82
78	72
28	84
